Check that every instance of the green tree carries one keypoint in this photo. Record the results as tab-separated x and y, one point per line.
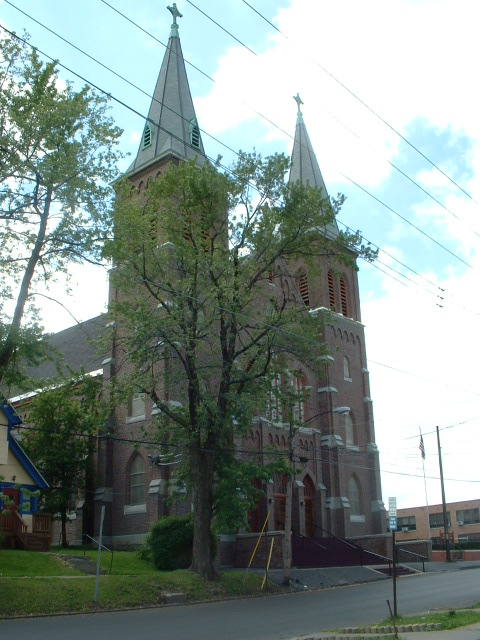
204	310
57	157
61	439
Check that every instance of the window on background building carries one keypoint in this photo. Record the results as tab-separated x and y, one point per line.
343	297
354	497
349	430
407	523
346	369
436	520
467	516
137	480
331	291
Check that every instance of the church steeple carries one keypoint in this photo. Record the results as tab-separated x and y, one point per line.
305	166
171	128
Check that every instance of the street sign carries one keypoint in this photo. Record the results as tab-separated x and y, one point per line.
392	523
392	507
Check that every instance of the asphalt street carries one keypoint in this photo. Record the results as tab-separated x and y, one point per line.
275	617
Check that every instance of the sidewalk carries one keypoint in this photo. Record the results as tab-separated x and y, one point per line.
472	632
326	578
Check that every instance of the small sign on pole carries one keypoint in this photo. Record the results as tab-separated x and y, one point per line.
392	523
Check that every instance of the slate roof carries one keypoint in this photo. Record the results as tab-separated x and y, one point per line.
75	348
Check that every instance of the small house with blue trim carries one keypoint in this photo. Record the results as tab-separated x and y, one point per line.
20	524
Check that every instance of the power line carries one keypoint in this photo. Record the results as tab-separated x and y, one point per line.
220	27
120	102
110	95
363	103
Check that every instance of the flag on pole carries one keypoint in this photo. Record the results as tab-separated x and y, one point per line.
421	446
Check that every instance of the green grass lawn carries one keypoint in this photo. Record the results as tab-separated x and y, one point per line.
27	564
54	587
120	563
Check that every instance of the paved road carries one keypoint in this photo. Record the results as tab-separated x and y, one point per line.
270	618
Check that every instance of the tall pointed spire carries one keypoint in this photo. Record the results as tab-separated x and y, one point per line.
171	128
305	166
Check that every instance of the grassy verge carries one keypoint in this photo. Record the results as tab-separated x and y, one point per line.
53	587
448	619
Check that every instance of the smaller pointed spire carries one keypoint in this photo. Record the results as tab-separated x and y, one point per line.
305	166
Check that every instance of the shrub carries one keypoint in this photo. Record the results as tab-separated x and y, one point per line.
171	541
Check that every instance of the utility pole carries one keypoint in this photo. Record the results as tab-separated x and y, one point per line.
444	504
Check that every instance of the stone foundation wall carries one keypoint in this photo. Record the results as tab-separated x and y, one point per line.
245	544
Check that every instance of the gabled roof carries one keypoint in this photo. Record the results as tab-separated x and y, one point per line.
14	421
305	166
171	128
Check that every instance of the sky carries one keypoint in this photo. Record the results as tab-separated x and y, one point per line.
391	105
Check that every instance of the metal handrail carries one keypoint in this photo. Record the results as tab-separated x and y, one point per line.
412	553
85	535
360	549
300	535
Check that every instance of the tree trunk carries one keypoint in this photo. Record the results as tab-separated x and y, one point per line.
64	530
202	469
8	348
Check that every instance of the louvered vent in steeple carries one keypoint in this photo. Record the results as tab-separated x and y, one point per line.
147	136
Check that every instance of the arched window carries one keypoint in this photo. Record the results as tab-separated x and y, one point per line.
136	410
346	368
302	284
354	497
275	410
349	430
137	480
343	297
331	291
300	397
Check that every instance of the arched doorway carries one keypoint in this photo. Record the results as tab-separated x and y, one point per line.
280	499
254	512
309	493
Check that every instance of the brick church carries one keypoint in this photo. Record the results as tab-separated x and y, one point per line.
338	489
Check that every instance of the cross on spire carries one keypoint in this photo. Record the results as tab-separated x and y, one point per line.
175	12
298	100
